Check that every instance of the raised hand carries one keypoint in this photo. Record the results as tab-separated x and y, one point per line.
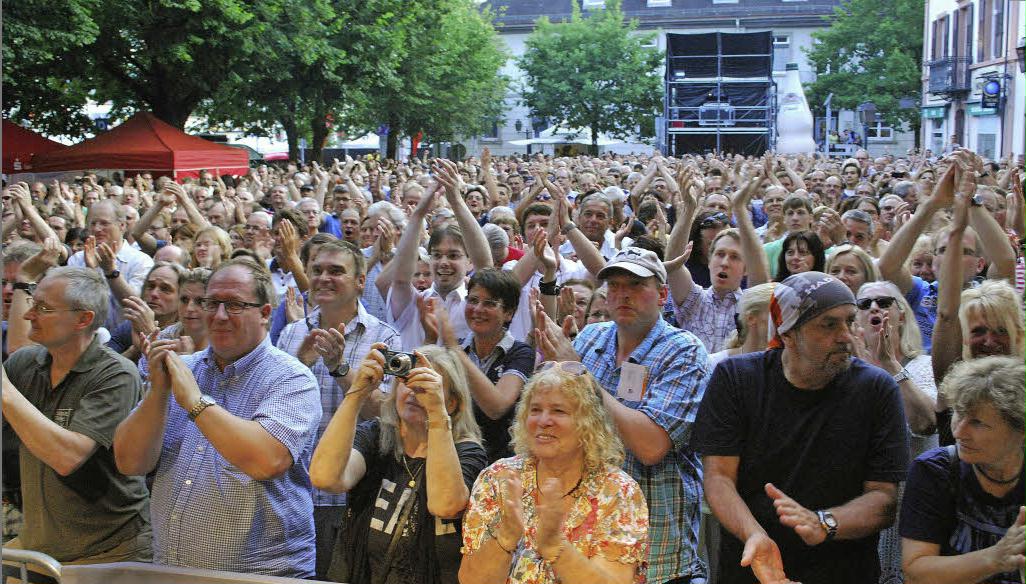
330	344
289	238
141	316
551	341
445	329
426	384
36	266
105	258
544	252
550	516
89	252
183	384
370	372
294	302
426	308
509	529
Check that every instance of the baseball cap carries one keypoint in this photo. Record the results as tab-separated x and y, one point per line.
640	262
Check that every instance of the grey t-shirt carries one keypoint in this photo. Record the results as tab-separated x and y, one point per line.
95	508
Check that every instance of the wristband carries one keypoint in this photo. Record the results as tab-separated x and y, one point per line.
901	375
566	229
549	288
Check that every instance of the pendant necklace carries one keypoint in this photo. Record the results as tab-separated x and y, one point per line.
413	480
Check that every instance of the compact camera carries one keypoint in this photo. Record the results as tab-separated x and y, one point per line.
398	363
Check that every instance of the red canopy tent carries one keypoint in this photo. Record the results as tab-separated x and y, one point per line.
145	144
23	145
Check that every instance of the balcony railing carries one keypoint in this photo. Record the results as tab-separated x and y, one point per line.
949	75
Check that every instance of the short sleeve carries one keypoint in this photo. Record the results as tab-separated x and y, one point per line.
719	427
483	509
291	411
520	361
622	532
927	508
114	394
473	459
676	390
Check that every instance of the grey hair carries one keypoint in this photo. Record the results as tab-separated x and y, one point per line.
861	217
20	251
904	188
501	211
86	290
496	236
598	197
308	200
119	211
996	380
394	214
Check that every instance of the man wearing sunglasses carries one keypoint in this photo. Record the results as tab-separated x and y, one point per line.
802	446
65	396
228	433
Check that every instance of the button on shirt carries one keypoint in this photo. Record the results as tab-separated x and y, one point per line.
361	332
676	363
206	512
408	322
133	265
709	316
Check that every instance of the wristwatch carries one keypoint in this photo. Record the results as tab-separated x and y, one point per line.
549	288
204	402
828	522
566	229
976	201
341	371
28	287
113	275
901	375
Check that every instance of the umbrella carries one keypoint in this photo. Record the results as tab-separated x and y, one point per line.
560	135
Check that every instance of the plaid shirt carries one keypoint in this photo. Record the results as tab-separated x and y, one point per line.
206	512
676	363
361	332
708	316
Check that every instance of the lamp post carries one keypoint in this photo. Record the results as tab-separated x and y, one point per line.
526	129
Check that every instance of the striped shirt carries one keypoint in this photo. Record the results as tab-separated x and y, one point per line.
361	332
708	315
206	512
676	363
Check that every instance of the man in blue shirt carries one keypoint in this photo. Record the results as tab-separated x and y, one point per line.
653	375
232	451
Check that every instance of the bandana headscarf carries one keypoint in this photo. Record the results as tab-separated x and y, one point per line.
800	298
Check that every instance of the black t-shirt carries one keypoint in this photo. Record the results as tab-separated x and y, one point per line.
425	540
495	432
951	509
818	447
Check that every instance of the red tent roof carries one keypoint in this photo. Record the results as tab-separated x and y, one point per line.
144	143
23	145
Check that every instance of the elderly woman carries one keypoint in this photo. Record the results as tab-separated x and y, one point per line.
561	510
962	517
408	473
851	265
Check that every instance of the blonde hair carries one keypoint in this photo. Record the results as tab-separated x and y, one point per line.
997	302
753	301
869	269
598	436
454	383
911	338
996	380
223	242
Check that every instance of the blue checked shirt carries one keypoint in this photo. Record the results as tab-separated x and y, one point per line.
206	512
371	298
361	332
676	362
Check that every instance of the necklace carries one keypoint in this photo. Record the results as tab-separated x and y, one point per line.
412	483
980	470
568	493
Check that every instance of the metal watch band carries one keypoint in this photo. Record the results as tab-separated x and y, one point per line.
204	402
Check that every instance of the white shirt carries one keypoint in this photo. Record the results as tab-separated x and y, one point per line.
411	332
607	250
522	322
133	264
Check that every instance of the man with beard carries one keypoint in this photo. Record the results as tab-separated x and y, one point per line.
802	446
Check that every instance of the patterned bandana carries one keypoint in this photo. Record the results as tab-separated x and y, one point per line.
802	297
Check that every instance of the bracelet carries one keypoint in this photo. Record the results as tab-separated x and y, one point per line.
548	288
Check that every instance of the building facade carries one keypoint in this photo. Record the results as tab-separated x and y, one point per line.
791	22
973	89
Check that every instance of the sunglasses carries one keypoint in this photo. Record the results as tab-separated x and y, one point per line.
714	221
571	367
883	302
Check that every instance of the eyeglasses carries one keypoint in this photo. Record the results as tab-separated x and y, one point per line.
571	367
254	228
44	309
883	302
489	304
232	306
452	257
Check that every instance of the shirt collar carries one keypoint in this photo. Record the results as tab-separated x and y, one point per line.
639	352
505	343
243	363
461	293
124	252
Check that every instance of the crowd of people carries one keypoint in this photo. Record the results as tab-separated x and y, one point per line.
527	369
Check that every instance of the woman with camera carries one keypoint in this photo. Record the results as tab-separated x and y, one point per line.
407	473
561	510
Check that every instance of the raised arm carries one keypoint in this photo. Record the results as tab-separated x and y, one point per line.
488	178
183	199
140	231
473	236
947	330
751	248
404	263
139	437
23	196
586	251
685	205
893	262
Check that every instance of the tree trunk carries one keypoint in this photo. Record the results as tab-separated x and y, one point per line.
593	149
175	114
319	133
292	137
392	143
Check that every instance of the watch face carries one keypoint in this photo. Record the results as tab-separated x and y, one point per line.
830	520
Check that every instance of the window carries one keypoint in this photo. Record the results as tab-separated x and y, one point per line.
781	40
492	133
879	131
593	3
939	46
724	1
659	3
983	28
998	26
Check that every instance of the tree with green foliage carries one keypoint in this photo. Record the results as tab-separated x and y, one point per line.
593	72
872	51
447	83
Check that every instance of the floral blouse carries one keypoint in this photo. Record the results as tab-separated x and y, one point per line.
609	517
